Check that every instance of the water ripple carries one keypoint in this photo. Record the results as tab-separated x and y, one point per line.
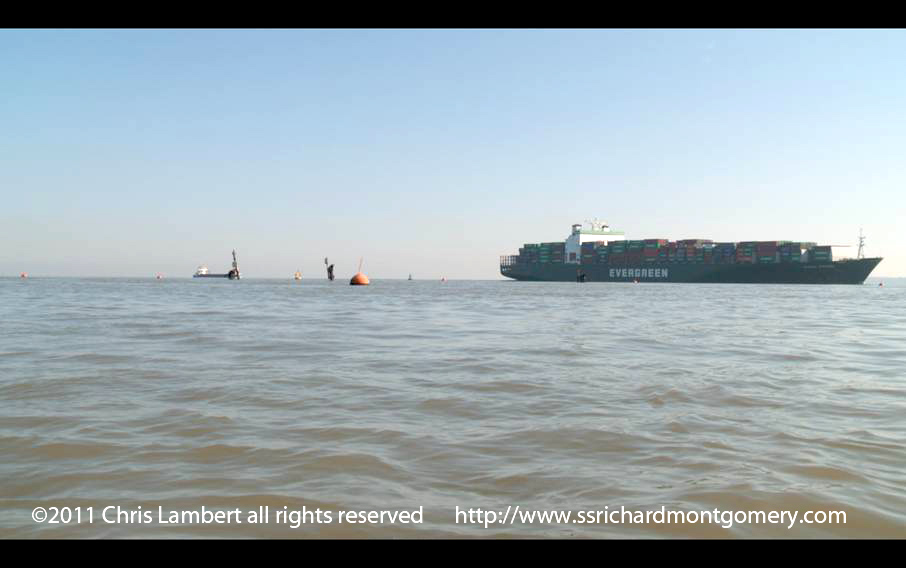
472	394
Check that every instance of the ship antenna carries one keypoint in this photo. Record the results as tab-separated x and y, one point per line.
861	254
596	225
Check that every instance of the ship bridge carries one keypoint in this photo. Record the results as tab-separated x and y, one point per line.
599	231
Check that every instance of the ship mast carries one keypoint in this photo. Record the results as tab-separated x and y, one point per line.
861	254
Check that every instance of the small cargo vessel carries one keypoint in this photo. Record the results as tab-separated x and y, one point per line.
601	254
233	274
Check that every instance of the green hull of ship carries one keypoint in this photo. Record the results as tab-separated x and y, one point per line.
838	272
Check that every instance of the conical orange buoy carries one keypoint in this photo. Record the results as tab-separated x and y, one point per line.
359	279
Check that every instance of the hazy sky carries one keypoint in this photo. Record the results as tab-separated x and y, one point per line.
433	152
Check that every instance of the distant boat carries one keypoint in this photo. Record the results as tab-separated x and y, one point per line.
410	276
233	274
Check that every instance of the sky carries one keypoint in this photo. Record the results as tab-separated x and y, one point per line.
433	152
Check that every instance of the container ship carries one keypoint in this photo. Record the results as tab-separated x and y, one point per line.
600	254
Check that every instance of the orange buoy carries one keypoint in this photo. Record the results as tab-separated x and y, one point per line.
23	275
359	279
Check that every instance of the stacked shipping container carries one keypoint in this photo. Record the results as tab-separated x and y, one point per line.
654	250
820	255
637	252
724	253
790	252
551	252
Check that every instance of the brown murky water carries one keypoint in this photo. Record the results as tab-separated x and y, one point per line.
185	394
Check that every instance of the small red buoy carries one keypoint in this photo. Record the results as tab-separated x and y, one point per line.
23	275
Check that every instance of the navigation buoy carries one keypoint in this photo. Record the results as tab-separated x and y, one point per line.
23	275
444	279
359	279
160	276
297	275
